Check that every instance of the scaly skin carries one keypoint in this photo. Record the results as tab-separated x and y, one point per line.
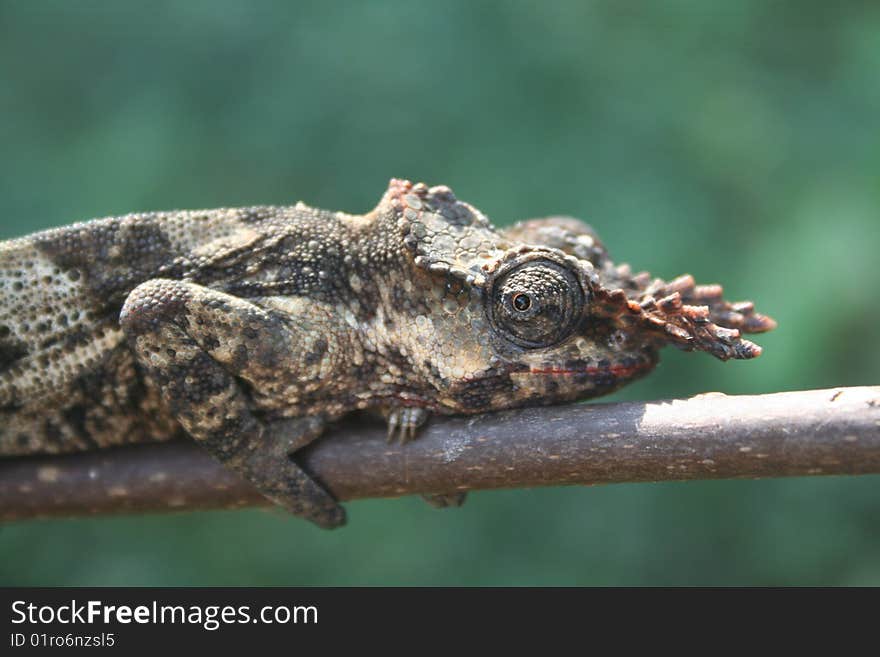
249	329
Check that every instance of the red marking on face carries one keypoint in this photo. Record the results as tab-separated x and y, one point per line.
620	371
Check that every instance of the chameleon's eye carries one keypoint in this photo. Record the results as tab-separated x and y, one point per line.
537	303
521	301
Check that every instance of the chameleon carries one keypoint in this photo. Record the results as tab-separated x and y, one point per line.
251	329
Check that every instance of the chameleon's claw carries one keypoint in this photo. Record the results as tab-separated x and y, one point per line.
393	424
407	431
404	423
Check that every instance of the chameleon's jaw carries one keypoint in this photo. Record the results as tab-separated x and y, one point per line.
572	380
579	368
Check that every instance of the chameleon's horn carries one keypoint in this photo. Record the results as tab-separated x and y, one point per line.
739	315
689	316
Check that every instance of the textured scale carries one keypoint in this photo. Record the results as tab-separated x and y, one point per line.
250	329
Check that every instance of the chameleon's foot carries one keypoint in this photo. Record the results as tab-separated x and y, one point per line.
403	423
283	482
275	473
446	500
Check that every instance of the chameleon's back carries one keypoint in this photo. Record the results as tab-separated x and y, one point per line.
60	343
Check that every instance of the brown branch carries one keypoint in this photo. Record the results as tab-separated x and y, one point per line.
710	436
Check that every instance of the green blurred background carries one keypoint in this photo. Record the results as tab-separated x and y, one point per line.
735	141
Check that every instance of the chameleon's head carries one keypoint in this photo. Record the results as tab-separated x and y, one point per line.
534	317
551	333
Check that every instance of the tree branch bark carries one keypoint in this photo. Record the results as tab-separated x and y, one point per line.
711	436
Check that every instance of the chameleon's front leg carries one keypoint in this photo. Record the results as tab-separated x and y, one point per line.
196	344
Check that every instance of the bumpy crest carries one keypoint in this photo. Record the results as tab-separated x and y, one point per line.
446	235
567	234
